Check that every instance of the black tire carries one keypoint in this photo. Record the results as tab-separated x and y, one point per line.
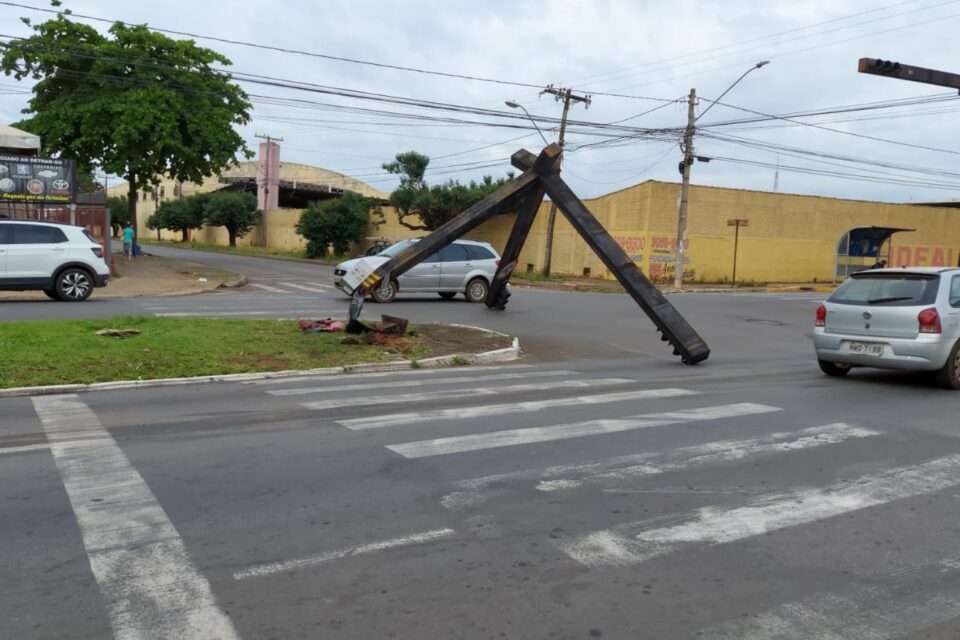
52	294
949	375
74	285
386	292
476	290
833	369
447	295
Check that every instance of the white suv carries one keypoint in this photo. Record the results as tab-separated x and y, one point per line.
63	261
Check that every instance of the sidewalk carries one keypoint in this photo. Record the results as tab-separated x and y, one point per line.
152	276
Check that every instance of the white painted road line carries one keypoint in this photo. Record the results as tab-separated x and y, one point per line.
715	525
874	612
648	464
397	419
24	449
398	384
460	393
513	437
321	558
476	491
402	373
149	584
267	287
316	288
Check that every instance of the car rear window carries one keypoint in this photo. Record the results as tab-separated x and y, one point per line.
89	235
888	289
37	234
479	253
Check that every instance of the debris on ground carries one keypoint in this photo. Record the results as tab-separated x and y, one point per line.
328	325
118	333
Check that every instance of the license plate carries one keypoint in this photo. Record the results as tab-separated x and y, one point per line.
866	348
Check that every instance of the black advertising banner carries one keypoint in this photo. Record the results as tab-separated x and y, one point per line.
24	179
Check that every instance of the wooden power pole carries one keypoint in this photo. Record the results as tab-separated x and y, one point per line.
567	96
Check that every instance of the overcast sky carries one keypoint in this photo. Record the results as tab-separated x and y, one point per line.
635	48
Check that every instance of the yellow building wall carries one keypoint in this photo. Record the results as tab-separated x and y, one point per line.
789	238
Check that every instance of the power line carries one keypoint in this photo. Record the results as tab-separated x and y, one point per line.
317	55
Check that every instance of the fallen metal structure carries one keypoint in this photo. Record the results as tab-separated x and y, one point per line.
541	175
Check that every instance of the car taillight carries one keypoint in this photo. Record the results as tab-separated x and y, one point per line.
97	251
821	317
929	321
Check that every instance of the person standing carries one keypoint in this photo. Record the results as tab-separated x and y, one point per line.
128	240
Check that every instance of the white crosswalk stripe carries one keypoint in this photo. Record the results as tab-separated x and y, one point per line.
460	393
513	437
633	543
398	419
876	612
402	374
475	491
400	384
267	287
314	288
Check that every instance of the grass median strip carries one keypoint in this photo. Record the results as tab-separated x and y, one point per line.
69	351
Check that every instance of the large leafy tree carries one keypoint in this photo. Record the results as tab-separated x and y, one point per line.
422	207
178	215
335	222
133	102
237	212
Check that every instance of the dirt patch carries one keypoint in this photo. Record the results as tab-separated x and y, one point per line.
445	340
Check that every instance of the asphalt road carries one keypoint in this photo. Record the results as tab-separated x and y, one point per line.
596	488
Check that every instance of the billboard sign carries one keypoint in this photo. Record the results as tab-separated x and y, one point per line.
24	179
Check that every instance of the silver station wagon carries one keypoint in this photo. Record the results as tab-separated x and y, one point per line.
893	319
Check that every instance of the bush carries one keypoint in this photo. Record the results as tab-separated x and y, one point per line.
177	215
335	222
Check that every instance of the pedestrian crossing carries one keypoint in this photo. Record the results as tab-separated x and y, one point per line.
487	438
469	413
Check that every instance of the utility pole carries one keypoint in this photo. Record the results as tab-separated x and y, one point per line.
685	165
567	96
266	186
687	162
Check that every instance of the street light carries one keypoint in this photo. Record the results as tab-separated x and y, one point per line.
517	105
685	169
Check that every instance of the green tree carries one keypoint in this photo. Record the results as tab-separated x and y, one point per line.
177	215
237	212
335	222
119	213
134	102
433	206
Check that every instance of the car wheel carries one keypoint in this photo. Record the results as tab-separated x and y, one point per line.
74	285
447	295
949	376
386	292
477	290
52	294
833	369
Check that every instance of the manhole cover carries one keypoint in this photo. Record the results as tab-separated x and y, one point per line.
772	323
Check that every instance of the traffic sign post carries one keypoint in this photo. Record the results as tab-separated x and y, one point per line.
736	223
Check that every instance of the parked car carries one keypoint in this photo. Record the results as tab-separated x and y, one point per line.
893	319
463	266
63	261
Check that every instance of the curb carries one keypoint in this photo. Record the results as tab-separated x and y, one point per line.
499	355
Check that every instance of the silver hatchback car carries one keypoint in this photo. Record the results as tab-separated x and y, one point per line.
893	319
463	266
